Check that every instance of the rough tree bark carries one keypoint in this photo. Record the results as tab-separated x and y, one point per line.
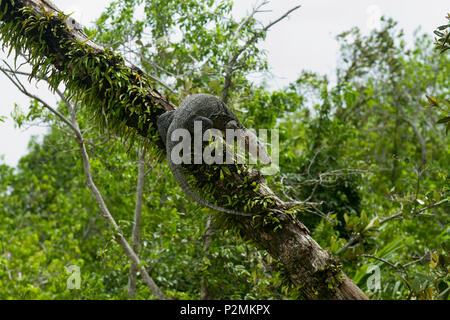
310	268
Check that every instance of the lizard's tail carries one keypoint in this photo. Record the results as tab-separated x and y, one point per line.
181	179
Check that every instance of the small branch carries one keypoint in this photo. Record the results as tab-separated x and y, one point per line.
250	16
73	124
209	230
395	216
395	266
308	170
351	242
433	206
418	212
425	257
137	221
22	89
233	59
105	212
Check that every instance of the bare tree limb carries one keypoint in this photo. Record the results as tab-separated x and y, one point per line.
73	124
233	59
136	236
395	266
209	230
20	86
394	216
104	209
256	10
434	205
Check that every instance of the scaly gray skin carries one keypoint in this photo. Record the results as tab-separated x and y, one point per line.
213	113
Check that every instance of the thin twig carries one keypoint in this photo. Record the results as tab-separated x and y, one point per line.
395	266
433	205
32	96
73	124
136	235
233	59
105	212
250	16
394	216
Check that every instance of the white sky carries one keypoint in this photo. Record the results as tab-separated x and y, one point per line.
304	41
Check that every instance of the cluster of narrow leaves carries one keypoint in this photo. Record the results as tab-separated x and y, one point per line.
443	44
443	33
117	96
435	104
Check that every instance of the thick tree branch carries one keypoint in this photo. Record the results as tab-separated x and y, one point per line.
101	81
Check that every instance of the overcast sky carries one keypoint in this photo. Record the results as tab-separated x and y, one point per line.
304	42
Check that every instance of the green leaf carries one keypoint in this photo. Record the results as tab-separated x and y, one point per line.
432	101
444	120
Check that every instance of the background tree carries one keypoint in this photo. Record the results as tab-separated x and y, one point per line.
374	173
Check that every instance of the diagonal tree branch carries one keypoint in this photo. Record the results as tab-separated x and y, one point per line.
136	235
100	80
104	209
73	124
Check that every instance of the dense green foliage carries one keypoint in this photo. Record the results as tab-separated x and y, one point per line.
363	147
97	78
